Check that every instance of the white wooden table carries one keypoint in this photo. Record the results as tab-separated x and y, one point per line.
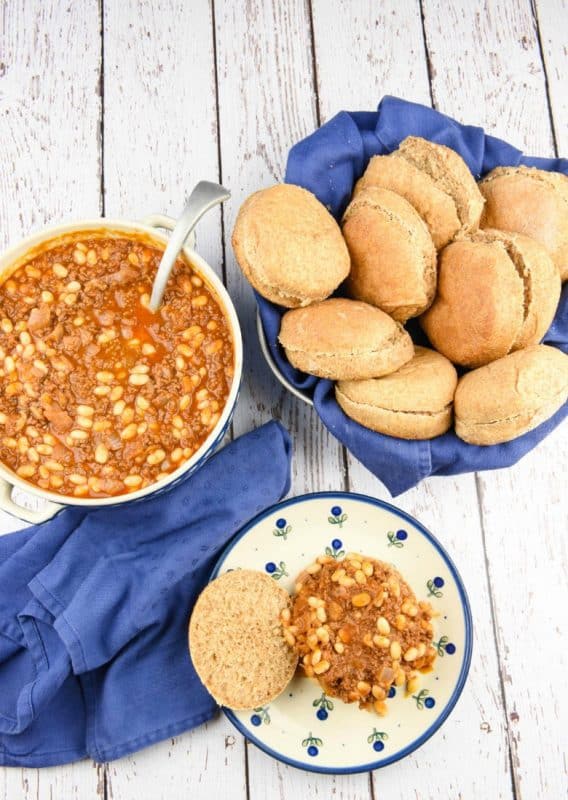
118	107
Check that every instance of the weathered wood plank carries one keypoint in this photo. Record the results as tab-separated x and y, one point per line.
385	47
266	103
160	138
552	19
501	81
49	172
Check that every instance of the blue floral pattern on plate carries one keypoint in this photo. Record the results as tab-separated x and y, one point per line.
282	529
377	740
324	705
260	716
335	551
397	539
337	516
312	743
276	571
443	645
434	586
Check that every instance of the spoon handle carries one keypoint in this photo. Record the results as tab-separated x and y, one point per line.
204	196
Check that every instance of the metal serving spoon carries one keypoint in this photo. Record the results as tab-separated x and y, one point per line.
204	196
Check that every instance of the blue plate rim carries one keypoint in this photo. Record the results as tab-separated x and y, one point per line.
468	623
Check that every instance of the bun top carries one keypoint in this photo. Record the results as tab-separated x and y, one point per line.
450	174
523	381
530	201
393	256
426	383
289	246
478	312
237	642
338	326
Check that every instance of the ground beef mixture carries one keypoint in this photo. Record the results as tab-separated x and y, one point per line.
98	396
359	629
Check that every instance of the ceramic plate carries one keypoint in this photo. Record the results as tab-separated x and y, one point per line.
305	728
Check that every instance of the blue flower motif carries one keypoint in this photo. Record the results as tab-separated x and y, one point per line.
435	586
396	539
337	516
376	739
422	699
312	743
276	571
443	645
335	550
260	715
282	529
324	706
392	692
337	544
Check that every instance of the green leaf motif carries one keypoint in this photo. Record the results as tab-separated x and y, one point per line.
309	740
280	572
282	532
432	590
337	520
393	541
420	697
441	645
377	736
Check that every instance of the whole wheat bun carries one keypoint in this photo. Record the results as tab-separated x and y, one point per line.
393	258
236	639
529	201
435	180
289	247
511	396
344	339
415	402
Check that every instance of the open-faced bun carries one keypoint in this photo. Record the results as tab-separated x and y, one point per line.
237	642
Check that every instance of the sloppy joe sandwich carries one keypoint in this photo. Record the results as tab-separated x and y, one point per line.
359	629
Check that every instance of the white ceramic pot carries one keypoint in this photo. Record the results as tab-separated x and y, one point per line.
148	228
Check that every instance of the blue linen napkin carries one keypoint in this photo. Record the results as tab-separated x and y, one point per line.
328	162
94	610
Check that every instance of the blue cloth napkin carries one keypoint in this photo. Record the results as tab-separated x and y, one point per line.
328	163
94	610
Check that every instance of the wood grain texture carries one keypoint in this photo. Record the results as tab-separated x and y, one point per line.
521	508
160	138
266	103
486	68
50	110
386	48
552	19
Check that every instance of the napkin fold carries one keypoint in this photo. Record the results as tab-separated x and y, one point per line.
94	610
328	163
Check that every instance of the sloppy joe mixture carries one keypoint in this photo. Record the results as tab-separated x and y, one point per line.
98	396
359	629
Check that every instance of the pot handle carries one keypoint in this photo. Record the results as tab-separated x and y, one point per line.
169	223
27	514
